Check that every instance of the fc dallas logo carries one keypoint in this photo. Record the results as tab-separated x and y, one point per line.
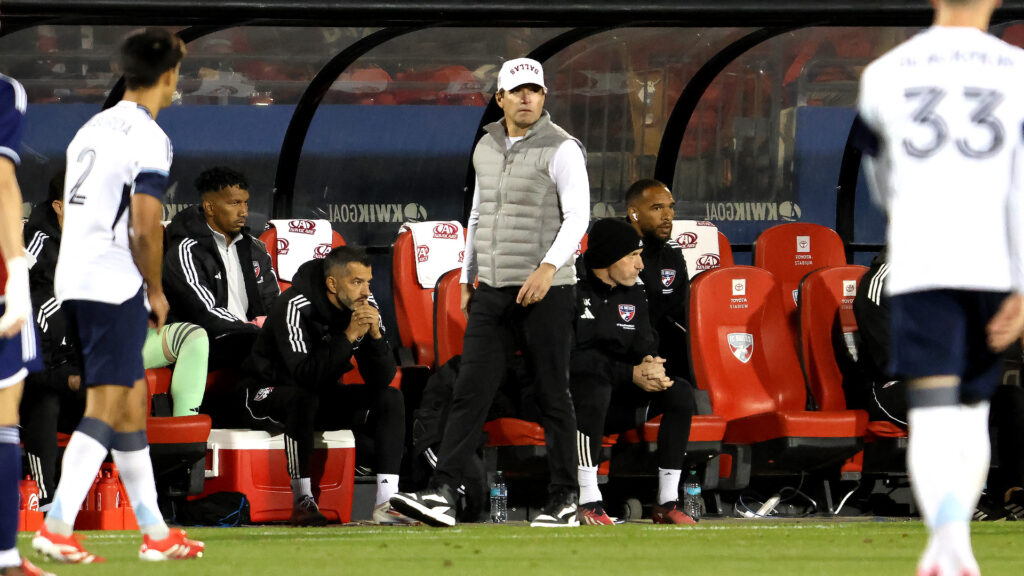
627	311
256	268
301	226
322	250
422	253
282	246
668	276
446	231
741	345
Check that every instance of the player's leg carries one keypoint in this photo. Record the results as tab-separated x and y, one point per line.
546	340
485	353
293	409
677	407
10	469
591	388
40	414
187	347
930	343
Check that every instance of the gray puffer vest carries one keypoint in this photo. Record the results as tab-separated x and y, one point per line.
520	214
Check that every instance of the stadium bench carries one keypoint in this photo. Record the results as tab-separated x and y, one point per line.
745	357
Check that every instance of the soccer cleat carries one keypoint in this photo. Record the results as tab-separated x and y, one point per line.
560	512
385	515
432	506
593	514
669	513
175	547
26	568
305	512
1014	505
65	549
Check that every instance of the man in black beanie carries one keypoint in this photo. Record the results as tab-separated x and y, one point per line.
615	372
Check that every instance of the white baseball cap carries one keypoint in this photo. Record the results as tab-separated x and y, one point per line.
515	73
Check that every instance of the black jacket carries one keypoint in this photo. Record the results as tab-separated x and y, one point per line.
612	326
42	241
195	280
303	341
667	284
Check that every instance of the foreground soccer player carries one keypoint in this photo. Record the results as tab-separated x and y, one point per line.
109	264
942	117
18	350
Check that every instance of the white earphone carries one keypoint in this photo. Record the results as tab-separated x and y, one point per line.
634	217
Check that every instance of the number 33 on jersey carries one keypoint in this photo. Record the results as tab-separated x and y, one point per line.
940	123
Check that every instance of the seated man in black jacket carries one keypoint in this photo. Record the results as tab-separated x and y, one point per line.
290	380
651	209
618	381
215	273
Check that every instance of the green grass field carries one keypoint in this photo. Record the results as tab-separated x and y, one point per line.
747	547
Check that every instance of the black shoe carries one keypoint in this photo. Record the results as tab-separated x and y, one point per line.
305	512
1014	505
560	511
432	506
987	510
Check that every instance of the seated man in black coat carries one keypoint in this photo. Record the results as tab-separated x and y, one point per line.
291	379
618	381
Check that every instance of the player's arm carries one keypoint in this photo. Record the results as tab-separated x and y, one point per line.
1008	323
376	362
147	241
469	264
309	361
18	302
569	171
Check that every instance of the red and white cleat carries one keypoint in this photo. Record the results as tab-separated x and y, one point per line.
66	549
175	547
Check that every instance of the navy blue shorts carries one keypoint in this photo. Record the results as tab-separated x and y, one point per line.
19	354
109	338
942	333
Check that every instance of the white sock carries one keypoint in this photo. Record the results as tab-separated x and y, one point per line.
976	449
82	460
10	558
589	490
935	461
136	470
387	486
300	489
668	485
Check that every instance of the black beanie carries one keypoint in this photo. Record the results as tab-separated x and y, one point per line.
610	239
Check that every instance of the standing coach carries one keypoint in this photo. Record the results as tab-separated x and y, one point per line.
531	208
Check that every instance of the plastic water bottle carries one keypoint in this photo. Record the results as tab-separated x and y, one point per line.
693	504
499	499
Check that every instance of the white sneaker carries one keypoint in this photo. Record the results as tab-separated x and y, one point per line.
385	515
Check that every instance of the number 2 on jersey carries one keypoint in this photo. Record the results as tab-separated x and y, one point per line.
87	155
986	102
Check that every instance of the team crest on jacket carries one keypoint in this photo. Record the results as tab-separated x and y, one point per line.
262	393
256	268
668	276
742	345
627	311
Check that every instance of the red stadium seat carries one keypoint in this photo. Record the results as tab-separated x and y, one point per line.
449	321
745	357
791	251
724	251
414	304
826	300
269	238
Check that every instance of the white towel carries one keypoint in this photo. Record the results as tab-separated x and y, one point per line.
299	241
699	242
439	248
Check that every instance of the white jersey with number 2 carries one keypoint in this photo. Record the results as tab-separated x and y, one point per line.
946	110
116	154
